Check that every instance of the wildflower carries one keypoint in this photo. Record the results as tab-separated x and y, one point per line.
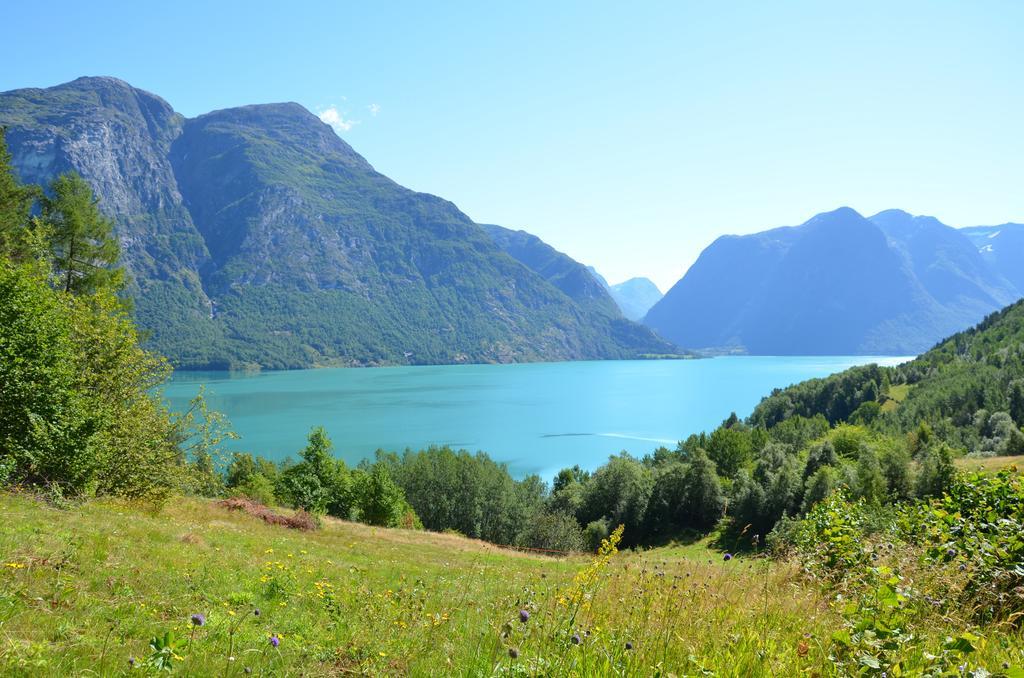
951	553
629	645
131	662
524	616
575	639
274	640
198	619
256	612
727	557
513	652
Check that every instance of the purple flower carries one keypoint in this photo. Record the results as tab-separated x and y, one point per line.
629	645
575	639
256	612
131	662
274	640
727	556
513	652
198	619
524	616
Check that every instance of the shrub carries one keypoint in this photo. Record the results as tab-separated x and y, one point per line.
379	501
595	533
77	408
553	531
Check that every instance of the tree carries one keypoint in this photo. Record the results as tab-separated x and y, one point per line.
84	249
1016	396
15	203
319	483
870	479
379	500
731	449
553	531
937	472
619	491
704	501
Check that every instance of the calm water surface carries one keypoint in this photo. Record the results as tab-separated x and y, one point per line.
537	417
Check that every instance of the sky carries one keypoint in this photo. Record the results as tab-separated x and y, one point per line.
628	135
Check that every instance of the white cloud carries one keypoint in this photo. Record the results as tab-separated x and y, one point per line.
333	117
374	109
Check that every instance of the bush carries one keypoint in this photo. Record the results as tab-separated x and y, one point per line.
77	408
379	501
937	472
594	533
553	532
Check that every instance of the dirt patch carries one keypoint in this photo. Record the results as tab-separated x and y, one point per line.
300	520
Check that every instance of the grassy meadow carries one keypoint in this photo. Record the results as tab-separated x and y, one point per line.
110	588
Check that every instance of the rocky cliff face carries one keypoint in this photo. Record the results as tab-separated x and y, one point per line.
256	236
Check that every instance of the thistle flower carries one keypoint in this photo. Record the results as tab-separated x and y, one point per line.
198	619
274	640
524	616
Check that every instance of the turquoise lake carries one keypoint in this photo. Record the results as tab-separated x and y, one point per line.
537	417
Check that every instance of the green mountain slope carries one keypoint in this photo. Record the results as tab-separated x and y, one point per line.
969	389
257	237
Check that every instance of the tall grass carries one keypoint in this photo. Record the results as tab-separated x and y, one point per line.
85	589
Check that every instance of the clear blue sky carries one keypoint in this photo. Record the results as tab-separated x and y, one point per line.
629	137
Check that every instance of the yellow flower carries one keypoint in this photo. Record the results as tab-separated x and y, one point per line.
269	551
15	566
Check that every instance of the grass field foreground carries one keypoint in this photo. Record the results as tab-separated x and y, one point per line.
105	588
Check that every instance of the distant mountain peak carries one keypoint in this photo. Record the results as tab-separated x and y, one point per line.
839	284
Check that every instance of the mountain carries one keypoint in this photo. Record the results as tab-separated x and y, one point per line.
255	236
565	273
1002	247
837	284
634	297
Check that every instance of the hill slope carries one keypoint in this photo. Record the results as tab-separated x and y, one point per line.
837	284
969	388
256	236
354	599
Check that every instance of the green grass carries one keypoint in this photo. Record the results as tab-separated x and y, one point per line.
897	394
84	588
990	464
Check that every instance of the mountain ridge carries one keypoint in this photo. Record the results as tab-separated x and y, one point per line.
256	237
807	290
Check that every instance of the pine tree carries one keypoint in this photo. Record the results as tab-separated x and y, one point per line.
84	248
